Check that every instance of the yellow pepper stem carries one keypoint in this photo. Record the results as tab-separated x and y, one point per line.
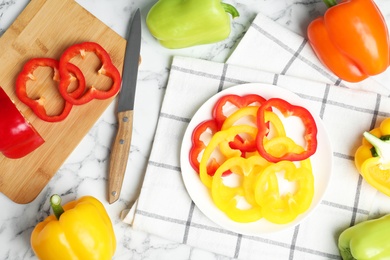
55	202
382	147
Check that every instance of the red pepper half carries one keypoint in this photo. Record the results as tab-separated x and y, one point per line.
17	136
37	105
238	101
108	69
287	110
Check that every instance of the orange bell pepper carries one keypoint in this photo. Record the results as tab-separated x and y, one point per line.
351	39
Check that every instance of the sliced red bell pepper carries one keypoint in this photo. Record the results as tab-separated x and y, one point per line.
17	136
198	146
37	105
238	101
287	110
108	69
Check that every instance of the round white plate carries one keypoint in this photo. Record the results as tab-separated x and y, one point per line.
322	162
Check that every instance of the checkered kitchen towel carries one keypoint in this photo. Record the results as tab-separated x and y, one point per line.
165	209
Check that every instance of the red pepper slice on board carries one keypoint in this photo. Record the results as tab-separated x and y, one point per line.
238	101
108	69
287	110
17	136
37	105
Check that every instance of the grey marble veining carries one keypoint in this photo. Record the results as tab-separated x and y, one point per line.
85	171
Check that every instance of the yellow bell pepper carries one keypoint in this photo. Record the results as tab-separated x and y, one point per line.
226	197
281	208
220	141
372	158
249	113
80	229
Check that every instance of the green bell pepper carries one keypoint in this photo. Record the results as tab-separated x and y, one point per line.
185	23
367	240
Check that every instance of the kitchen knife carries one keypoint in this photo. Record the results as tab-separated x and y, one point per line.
121	146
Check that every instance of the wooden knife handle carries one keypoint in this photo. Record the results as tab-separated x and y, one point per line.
119	155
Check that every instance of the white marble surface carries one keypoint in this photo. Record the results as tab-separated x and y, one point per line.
85	171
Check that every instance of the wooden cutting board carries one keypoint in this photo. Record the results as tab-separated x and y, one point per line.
46	28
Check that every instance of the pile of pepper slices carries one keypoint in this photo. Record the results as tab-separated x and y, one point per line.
65	73
251	144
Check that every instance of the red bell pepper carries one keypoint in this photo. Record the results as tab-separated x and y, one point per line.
287	110
108	69
351	39
238	101
198	146
37	105
17	136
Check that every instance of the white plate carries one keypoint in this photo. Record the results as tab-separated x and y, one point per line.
322	162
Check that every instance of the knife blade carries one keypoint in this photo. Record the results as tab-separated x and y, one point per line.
121	146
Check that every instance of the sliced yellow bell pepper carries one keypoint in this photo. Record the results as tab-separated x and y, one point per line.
373	163
281	208
79	230
222	137
226	198
279	145
256	195
251	113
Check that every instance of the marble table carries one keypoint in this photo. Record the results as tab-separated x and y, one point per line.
85	170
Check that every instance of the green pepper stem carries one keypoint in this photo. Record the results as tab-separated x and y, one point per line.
231	10
330	3
55	202
382	147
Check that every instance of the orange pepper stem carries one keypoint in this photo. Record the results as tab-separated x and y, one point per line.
55	202
330	3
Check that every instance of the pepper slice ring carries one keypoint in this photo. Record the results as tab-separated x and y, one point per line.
107	69
37	105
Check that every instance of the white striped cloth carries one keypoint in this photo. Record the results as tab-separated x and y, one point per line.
164	207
